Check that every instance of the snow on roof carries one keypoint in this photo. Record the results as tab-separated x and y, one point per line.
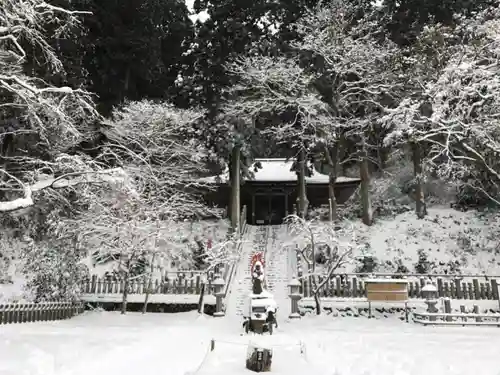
277	170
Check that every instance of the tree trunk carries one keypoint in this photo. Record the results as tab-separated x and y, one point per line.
125	293
332	160
364	174
302	202
235	189
420	207
318	303
200	301
149	285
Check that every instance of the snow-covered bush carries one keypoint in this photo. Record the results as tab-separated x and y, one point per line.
52	270
423	265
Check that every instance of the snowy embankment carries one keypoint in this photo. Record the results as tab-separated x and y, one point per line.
178	253
453	242
178	344
177	256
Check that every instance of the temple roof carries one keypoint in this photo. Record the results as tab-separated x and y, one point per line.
278	170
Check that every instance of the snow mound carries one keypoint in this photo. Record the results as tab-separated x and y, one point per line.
445	241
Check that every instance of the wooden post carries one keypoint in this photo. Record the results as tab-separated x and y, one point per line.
475	310
494	289
476	288
440	287
330	210
462	311
458	289
447	308
94	284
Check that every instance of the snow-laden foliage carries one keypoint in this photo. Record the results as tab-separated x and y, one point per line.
456	115
39	121
53	270
358	75
273	89
153	143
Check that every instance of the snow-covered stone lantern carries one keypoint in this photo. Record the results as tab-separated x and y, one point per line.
295	297
430	295
218	285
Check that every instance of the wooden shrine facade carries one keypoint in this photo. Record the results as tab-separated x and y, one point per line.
271	195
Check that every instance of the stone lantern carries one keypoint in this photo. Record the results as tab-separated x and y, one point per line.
218	285
430	295
295	297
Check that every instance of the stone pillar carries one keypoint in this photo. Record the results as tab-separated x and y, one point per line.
430	293
295	297
218	285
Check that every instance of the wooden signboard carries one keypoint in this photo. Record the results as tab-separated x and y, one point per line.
387	290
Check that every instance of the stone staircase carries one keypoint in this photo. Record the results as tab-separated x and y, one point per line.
278	266
255	241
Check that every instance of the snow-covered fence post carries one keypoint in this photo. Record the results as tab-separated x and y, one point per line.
218	285
494	290
447	308
295	297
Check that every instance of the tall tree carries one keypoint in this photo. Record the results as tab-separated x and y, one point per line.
455	114
275	94
132	49
40	120
357	77
230	31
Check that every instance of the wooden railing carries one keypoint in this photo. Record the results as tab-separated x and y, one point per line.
352	285
35	312
228	277
185	283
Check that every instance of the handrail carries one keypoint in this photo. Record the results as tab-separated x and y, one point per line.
242	230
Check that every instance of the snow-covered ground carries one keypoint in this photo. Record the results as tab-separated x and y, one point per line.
454	241
177	344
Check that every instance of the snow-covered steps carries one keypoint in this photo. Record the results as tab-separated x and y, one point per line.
278	266
254	241
269	240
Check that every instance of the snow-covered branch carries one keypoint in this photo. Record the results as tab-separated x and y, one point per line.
456	115
112	176
322	247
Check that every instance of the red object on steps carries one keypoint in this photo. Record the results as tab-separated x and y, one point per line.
257	257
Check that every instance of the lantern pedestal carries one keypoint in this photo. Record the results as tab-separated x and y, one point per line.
430	293
295	297
218	285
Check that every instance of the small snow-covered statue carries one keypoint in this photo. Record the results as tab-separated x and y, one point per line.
258	270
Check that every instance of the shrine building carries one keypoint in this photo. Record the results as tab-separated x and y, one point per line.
272	192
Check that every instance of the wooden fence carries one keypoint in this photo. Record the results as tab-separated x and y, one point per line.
34	312
467	288
185	283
